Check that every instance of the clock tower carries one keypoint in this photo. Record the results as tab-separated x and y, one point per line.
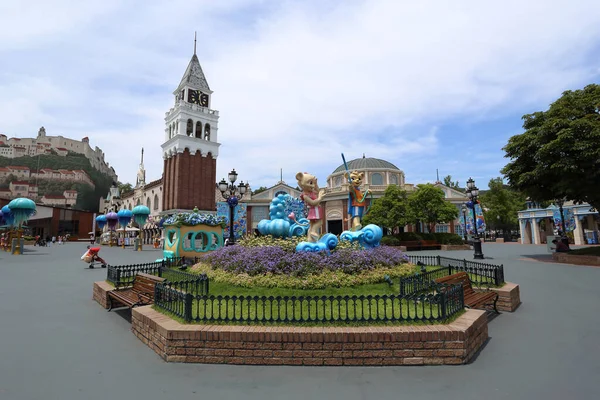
191	148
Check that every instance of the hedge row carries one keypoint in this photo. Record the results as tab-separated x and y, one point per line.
440	237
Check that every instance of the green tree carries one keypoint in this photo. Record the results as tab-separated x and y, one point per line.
558	155
448	182
501	205
391	210
124	187
259	190
427	204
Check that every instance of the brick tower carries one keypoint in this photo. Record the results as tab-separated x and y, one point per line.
190	149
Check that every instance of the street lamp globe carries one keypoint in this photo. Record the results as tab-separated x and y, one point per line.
232	176
242	188
470	183
222	186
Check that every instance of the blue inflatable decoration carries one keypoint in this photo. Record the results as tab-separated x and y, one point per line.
326	243
368	237
287	218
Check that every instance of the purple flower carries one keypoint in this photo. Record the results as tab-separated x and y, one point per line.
275	260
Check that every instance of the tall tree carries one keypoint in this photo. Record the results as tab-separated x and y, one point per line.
427	204
501	205
558	155
124	187
391	210
448	182
259	190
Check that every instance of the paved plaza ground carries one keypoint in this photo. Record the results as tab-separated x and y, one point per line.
57	343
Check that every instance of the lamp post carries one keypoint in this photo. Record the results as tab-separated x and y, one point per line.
472	194
232	194
464	211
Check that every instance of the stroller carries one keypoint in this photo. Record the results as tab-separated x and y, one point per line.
92	258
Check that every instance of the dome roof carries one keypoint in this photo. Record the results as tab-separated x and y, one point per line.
366	163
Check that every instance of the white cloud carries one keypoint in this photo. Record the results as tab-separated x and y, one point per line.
296	84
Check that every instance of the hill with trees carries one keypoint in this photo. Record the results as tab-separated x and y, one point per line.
87	197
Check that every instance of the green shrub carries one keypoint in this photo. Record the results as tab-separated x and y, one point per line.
448	238
408	236
390	241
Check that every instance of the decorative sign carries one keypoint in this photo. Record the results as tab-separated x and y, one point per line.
239	218
469	222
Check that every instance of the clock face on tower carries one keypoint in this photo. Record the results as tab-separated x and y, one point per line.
197	97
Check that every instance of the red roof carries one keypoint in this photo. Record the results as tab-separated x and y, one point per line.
66	171
20	183
17	167
4	169
19	147
54	196
70	191
5	190
61	148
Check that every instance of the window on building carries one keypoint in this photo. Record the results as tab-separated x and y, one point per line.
207	132
442	228
376	179
338	181
190	127
199	130
156	202
280	192
148	203
459	230
393	179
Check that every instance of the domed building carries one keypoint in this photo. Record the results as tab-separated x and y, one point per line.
379	174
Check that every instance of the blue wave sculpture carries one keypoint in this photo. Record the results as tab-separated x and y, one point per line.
280	224
327	243
368	237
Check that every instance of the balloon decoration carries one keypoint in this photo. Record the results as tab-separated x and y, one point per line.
140	216
101	221
22	209
111	219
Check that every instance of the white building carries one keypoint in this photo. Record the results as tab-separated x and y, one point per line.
43	144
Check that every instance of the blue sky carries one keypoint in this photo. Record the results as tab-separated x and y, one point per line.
425	85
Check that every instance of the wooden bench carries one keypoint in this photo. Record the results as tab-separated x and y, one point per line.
421	245
141	293
473	299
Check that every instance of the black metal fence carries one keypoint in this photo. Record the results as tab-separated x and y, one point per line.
123	275
437	306
479	273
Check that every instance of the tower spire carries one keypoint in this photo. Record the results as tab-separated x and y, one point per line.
142	156
194	42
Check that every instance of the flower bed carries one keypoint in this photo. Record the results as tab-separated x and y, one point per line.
272	266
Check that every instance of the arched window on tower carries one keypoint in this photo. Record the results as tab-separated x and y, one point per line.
199	130
148	203
138	202
170	131
190	127
156	202
376	179
207	132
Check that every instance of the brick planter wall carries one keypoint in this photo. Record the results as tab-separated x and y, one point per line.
509	297
455	343
100	290
575	259
447	247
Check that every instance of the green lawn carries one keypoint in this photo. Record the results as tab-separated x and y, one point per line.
586	251
228	304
